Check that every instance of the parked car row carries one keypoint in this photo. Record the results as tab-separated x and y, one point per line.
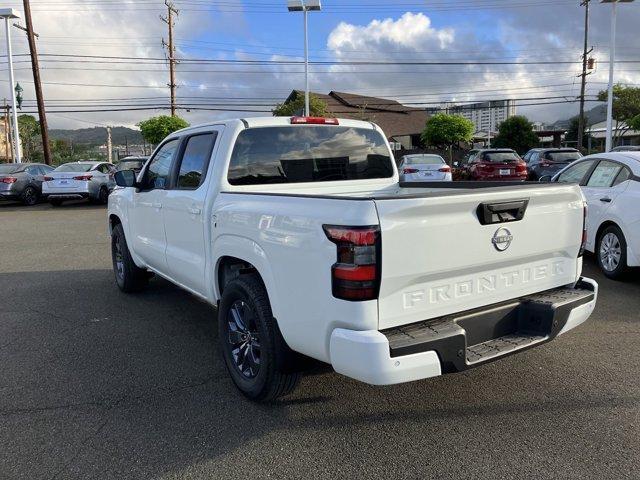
31	183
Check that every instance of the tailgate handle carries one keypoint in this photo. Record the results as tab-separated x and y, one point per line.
503	212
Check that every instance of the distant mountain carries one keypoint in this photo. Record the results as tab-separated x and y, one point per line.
596	115
98	136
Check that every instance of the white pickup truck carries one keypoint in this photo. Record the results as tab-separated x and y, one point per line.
299	231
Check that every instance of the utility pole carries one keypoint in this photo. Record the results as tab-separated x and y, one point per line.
44	128
6	132
583	88
109	146
171	48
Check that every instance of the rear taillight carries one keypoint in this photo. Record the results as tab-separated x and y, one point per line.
446	169
8	180
356	274
583	242
521	167
83	178
314	121
409	170
48	179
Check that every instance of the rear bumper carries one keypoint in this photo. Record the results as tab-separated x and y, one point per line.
9	196
68	196
459	342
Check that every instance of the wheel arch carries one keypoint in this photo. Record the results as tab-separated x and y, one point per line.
235	255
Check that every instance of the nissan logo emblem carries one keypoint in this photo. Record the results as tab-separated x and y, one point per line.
502	239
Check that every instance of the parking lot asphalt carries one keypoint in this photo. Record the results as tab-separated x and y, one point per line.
98	384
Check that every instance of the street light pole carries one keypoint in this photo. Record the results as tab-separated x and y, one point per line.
305	6
306	63
7	14
612	59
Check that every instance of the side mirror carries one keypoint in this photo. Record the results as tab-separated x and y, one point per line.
125	178
545	179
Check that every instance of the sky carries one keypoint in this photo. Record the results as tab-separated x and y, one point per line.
240	57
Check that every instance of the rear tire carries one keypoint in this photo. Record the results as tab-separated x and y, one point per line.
103	196
29	197
129	277
252	347
55	202
611	251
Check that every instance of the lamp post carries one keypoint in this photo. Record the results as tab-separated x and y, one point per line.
612	59
8	14
305	6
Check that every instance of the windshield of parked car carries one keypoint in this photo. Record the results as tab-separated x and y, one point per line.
423	160
500	157
562	156
74	167
7	169
314	153
130	165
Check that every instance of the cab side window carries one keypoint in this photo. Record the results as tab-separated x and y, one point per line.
576	173
195	160
158	171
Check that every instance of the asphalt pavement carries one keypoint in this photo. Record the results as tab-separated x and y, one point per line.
98	384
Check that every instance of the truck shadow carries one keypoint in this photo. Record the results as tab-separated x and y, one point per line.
113	385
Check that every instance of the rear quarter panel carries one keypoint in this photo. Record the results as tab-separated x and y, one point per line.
283	238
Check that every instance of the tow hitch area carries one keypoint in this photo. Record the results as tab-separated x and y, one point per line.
478	336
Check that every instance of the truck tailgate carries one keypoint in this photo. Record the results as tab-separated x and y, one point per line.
439	258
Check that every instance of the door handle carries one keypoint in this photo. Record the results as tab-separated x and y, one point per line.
157	205
195	211
605	199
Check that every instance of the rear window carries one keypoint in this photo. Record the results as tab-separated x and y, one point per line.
74	167
130	165
562	156
308	154
424	160
500	157
4	169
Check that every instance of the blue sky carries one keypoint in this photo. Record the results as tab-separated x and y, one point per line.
347	30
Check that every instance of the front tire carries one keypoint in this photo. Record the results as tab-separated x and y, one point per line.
611	252
129	277
253	350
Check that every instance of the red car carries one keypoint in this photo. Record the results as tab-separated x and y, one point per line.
495	165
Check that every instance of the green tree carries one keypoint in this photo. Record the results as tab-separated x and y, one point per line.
516	133
317	107
626	108
156	129
445	131
29	129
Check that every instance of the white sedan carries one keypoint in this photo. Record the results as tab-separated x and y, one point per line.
424	168
611	184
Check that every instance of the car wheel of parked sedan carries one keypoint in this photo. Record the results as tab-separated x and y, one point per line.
612	253
30	196
55	202
103	196
253	349
129	277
